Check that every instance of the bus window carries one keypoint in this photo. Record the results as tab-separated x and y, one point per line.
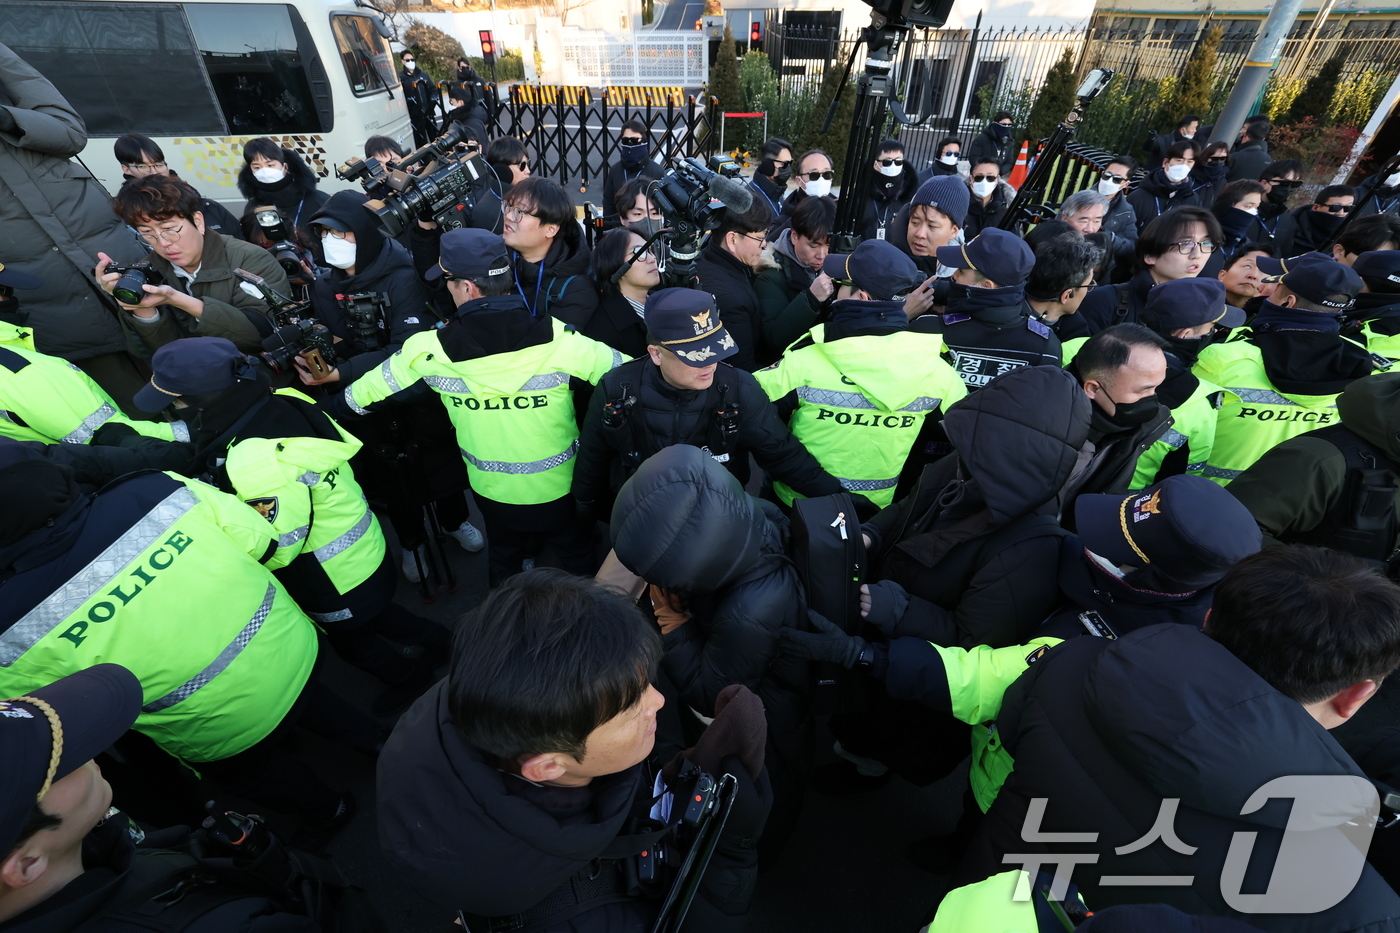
257	66
366	56
128	68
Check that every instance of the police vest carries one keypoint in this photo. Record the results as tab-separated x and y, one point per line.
1192	429
1009	902
513	412
862	436
1387	345
159	579
1254	416
305	487
50	400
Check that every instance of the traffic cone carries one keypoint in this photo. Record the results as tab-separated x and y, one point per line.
1018	174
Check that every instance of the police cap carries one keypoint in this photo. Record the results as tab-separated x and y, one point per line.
686	322
998	254
878	268
1189	303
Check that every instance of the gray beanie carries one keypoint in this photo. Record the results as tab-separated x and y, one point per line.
948	193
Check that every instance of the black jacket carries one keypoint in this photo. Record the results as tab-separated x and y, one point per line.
1121	219
1109	458
560	286
663	415
692	529
1104	306
1160	145
118	876
1154	195
934	169
731	283
617	176
383	268
296	195
784	219
769	189
983	216
1248	160
987	147
977	543
1311	231
1386	201
992	331
1163	713
618	325
887	196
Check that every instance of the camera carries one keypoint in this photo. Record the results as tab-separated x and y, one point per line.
369	315
129	289
306	338
438	192
692	197
279	240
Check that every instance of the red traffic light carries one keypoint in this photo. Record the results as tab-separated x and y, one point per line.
488	44
755	33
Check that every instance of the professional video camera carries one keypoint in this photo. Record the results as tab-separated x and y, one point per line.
281	244
129	288
692	197
369	316
436	192
297	333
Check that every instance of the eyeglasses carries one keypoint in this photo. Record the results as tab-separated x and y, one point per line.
1187	247
986	177
1109	176
516	214
760	238
1337	208
334	233
168	235
813	176
951	152
1091	284
631	140
888	162
144	168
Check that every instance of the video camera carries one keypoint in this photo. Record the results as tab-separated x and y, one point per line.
692	197
281	244
297	332
129	289
369	316
434	193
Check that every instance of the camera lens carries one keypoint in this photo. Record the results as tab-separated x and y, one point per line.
130	288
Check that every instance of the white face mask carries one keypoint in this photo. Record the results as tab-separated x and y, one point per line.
269	176
819	188
409	66
1252	211
983	188
339	253
1176	173
949	159
1109	188
891	170
1392	181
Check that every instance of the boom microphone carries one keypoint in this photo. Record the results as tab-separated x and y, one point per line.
731	192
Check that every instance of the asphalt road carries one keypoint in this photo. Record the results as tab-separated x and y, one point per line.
679	14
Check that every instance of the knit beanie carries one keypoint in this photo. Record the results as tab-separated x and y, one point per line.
948	193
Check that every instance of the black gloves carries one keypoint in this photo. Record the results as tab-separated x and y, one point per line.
826	643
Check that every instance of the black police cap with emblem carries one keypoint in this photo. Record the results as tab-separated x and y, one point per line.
686	322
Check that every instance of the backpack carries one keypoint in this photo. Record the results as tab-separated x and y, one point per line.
826	546
1363	520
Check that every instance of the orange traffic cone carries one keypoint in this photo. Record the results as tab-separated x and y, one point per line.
1018	174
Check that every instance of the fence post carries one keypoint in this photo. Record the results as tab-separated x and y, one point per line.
968	64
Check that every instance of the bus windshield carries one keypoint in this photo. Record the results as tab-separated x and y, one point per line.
368	64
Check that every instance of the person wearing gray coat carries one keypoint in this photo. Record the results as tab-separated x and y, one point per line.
54	218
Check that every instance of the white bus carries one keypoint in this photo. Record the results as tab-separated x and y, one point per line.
202	78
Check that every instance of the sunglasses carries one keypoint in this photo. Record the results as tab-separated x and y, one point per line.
951	152
1218	160
1109	176
1337	208
407	60
888	162
631	140
986	177
813	176
1284	183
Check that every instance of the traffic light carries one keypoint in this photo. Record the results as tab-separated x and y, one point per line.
755	35
488	47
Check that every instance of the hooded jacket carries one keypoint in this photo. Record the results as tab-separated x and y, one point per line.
1291	490
982	216
1248	160
55	217
1310	231
682	522
977	543
987	146
787	307
382	267
1107	731
887	196
560	285
1155	195
296	195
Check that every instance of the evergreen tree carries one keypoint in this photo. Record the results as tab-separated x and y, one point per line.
724	74
1316	97
1192	92
834	140
1054	101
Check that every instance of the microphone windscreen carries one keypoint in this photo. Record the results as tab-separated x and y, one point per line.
732	193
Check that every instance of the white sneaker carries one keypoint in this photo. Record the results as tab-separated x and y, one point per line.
410	567
468	537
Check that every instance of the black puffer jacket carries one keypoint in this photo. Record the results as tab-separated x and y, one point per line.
560	286
1106	732
977	543
1154	195
730	281
296	195
382	267
664	415
682	522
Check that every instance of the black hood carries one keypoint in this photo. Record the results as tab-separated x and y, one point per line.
1191	721
683	522
901	187
496	324
1370	408
447	817
348	207
1310	362
1019	437
299	176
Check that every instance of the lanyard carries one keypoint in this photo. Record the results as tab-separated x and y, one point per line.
754	186
539	280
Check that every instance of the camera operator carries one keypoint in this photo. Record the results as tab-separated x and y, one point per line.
274	174
139	156
508	156
481	206
548	252
517	789
726	270
199	295
633	163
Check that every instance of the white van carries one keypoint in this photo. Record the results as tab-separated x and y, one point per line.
202	78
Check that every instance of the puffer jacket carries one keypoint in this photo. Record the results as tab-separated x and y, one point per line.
887	196
982	216
682	522
977	543
55	217
560	285
1154	196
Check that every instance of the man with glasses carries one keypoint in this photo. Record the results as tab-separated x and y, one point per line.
1316	223
1062	277
891	187
197	294
634	161
946	156
1284	376
814	176
422	97
139	156
727	268
548	251
1280	179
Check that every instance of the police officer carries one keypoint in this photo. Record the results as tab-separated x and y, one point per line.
681	392
288	460
1284	371
1187	314
1377	308
858	388
181	572
504	376
988	327
44	398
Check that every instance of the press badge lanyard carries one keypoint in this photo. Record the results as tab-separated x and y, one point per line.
754	186
539	280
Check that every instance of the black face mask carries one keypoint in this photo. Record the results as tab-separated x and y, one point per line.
1000	130
1279	194
1132	414
1328	222
1187	349
784	174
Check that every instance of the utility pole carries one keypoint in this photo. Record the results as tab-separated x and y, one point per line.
1258	64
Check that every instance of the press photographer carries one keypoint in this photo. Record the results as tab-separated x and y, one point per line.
186	286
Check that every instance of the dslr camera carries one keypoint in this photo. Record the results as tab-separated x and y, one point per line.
439	191
307	338
280	242
129	289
